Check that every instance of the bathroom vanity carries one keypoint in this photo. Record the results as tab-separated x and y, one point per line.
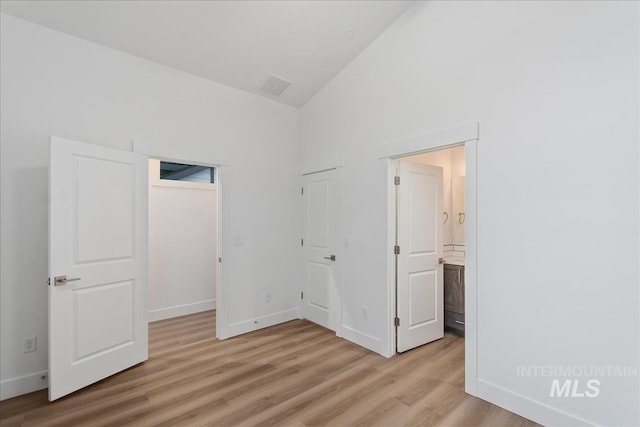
454	297
454	252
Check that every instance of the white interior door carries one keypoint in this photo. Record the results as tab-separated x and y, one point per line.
420	275
321	301
97	263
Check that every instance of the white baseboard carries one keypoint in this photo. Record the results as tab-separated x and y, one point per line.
22	385
181	310
529	408
260	322
365	340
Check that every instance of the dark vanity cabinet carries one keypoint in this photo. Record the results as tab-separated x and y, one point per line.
454	297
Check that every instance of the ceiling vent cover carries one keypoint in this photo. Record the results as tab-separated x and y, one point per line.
274	85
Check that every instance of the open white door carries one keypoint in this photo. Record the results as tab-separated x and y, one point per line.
97	263
420	274
321	296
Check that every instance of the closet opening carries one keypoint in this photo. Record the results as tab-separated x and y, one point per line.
183	239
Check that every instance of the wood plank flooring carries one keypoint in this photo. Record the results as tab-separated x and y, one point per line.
294	374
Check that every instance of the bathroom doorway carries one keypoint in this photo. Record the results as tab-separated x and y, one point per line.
467	136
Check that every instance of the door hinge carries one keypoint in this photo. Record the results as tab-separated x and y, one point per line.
396	180
219	259
396	250
301	242
301	295
396	321
48	281
302	190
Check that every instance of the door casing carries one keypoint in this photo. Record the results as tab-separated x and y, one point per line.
223	244
466	135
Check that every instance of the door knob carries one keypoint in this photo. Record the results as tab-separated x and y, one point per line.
62	280
330	258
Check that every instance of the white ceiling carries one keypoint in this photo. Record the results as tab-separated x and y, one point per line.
237	43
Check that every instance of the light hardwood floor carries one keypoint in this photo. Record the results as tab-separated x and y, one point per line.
296	374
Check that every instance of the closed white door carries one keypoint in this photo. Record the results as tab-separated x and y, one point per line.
420	274
97	263
321	259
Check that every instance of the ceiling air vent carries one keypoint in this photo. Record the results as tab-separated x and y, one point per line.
274	85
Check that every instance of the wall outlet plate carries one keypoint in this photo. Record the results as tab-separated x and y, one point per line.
30	344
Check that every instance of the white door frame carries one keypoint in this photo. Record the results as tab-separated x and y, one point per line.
465	135
221	204
223	184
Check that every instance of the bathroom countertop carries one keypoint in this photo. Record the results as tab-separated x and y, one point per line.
454	260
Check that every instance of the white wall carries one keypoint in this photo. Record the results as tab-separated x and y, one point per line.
457	162
54	84
452	163
183	220
554	86
555	89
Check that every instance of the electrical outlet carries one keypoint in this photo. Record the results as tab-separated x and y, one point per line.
365	313
267	298
30	344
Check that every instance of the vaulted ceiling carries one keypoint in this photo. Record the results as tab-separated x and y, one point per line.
236	43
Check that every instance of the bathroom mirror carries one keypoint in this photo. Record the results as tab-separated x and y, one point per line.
457	216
